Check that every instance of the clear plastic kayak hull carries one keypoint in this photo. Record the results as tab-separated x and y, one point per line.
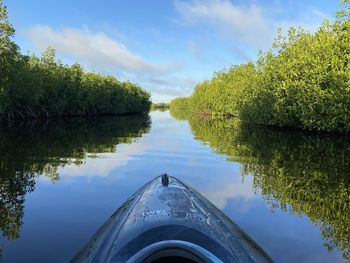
167	219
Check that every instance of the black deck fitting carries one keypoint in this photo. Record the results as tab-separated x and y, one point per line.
165	179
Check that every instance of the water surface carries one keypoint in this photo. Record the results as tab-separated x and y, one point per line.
59	181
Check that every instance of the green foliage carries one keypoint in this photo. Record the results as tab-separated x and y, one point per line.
303	82
344	14
32	87
180	104
30	150
45	87
299	172
8	53
6	29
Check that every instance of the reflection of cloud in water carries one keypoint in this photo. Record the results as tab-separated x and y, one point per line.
220	191
104	163
226	185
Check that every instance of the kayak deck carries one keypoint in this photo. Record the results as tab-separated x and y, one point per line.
168	219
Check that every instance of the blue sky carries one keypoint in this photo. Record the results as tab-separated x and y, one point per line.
167	46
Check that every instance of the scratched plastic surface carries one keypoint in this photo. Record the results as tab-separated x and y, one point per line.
175	212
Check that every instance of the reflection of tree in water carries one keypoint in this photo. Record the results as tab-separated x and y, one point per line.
12	195
31	150
299	172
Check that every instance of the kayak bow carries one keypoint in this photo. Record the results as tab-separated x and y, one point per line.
168	221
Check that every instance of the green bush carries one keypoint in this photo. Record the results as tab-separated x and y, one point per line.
32	87
302	82
180	103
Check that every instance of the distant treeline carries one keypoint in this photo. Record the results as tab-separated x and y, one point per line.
303	81
160	106
32	87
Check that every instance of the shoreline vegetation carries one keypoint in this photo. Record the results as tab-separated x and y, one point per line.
160	106
43	87
302	82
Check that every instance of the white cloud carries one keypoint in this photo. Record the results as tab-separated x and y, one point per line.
95	50
310	19
246	24
169	87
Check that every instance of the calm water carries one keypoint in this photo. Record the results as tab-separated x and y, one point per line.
59	181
